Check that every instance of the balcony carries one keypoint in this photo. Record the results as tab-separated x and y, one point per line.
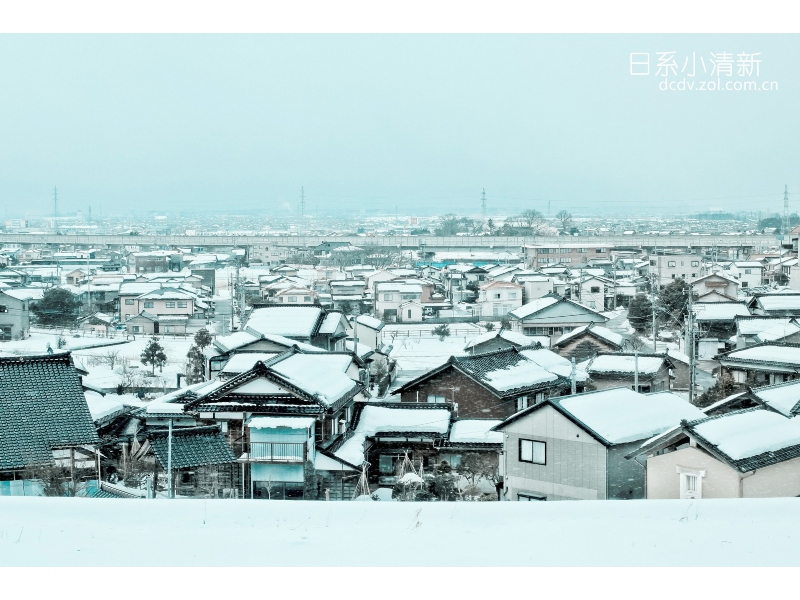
274	452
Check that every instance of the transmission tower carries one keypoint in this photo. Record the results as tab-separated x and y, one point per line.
483	203
302	202
55	201
785	209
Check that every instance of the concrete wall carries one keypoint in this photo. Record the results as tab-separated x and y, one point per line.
575	466
779	480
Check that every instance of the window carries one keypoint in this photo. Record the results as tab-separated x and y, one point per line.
581	250
695	263
652	263
5	332
169	328
691	483
170	305
671	263
277	490
136	329
530	497
454	460
409	296
183	304
497	296
748	271
522	403
148	305
3	308
387	297
595	289
129	301
744	284
292	298
512	295
435	399
532	452
306	298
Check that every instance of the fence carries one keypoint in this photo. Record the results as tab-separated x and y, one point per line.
287	452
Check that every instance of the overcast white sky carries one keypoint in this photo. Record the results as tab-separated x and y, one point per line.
156	122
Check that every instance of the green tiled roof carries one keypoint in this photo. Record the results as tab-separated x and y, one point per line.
192	447
42	407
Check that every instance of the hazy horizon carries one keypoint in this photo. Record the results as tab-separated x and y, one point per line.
178	123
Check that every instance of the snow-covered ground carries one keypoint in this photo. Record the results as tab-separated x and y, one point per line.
99	532
37	342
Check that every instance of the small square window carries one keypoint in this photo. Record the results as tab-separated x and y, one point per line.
148	305
183	304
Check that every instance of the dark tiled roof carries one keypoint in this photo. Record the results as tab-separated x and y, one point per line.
192	447
42	407
478	366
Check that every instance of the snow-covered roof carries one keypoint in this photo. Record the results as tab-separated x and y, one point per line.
235	340
624	363
534	306
523	374
275	422
475	431
778	332
314	377
510	336
244	361
298	321
25	293
719	311
370	322
102	406
330	323
621	415
382	419
787	354
780	302
601	332
555	363
750	433
782	397
754	326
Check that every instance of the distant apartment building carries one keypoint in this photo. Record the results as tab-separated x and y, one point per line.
537	256
669	267
498	298
268	254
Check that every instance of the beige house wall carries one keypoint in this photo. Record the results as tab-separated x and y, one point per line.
575	466
779	480
664	482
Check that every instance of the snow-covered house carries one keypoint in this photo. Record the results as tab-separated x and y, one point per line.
715	287
775	305
766	364
369	331
384	433
498	298
553	316
750	453
490	385
308	324
280	417
748	327
610	370
583	342
749	272
574	447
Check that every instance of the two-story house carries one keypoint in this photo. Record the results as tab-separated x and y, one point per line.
498	298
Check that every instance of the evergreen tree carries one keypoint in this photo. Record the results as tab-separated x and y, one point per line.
674	298
640	312
153	355
58	307
203	339
195	365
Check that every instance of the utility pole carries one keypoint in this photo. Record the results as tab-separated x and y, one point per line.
690	339
785	210
572	377
55	202
302	202
169	461
635	370
655	348
483	203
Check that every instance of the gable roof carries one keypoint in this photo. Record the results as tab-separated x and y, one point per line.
42	406
625	364
596	331
748	439
719	311
781	397
505	373
767	353
286	320
545	302
618	415
512	337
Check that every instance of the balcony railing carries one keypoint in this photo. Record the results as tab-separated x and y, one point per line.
275	452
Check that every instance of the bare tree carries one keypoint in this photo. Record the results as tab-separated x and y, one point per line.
110	358
532	220
565	218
